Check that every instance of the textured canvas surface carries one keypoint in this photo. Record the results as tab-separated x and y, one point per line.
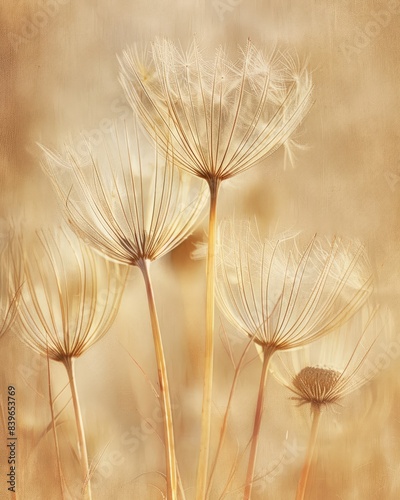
59	82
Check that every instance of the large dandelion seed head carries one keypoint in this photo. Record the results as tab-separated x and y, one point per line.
221	116
284	294
123	198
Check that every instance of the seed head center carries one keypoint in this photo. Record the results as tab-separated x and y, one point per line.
316	384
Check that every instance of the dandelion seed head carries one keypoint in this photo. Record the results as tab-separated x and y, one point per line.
221	116
70	296
124	199
316	385
284	294
325	371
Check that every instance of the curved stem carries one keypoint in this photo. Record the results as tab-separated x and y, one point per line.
202	467
165	398
301	487
268	352
224	425
69	366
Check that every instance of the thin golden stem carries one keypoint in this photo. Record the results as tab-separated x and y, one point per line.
268	352
180	484
302	485
166	408
3	423
69	366
202	467
224	425
53	422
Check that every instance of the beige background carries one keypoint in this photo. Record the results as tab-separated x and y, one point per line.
59	78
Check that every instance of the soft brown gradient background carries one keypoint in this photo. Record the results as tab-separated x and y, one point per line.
64	80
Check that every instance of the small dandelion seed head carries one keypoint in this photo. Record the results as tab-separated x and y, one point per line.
325	372
70	295
316	385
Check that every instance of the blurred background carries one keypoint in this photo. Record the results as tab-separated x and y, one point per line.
59	79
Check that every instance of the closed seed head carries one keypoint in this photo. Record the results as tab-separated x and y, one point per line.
316	385
70	296
325	371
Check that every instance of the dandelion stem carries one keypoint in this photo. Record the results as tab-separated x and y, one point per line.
268	352
3	422
69	366
209	347
301	487
53	422
164	387
224	425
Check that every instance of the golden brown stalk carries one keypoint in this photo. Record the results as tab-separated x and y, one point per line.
53	422
224	425
202	467
165	398
302	485
267	354
86	489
